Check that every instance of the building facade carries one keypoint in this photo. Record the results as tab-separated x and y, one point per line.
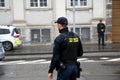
116	21
35	18
108	20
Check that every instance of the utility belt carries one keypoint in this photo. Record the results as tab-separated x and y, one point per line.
63	66
70	62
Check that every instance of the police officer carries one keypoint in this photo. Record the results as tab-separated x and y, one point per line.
67	48
101	31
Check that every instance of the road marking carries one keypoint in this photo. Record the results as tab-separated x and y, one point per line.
82	59
89	61
11	62
116	59
104	58
31	62
44	61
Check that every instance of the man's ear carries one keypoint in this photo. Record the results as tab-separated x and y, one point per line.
59	25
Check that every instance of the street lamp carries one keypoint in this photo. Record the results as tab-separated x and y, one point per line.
73	1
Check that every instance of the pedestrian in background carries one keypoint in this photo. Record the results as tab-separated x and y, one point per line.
67	48
101	33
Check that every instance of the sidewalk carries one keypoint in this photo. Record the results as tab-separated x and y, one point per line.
113	47
47	49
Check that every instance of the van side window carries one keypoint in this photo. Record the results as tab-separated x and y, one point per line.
4	31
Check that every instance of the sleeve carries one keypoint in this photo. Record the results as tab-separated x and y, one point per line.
98	28
104	27
80	49
55	57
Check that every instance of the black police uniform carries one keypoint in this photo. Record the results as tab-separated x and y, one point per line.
101	31
67	47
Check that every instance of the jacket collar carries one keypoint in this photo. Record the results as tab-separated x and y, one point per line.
64	30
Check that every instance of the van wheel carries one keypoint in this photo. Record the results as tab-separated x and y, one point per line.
7	46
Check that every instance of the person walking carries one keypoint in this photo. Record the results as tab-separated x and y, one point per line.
67	48
101	30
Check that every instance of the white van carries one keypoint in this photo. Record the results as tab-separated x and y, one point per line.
9	36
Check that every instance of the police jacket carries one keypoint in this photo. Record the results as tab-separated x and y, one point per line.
100	27
63	51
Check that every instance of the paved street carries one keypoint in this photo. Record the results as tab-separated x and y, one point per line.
45	60
32	63
94	55
93	69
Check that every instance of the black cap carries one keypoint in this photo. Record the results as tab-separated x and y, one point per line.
62	20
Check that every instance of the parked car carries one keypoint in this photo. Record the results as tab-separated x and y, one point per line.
10	37
2	52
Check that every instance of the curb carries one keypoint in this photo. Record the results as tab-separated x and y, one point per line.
92	53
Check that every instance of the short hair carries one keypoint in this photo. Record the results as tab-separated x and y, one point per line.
64	25
100	20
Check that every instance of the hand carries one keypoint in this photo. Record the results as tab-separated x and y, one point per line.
50	76
102	30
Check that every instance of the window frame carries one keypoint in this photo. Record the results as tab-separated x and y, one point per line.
42	38
83	2
2	4
78	4
109	1
39	4
33	4
80	34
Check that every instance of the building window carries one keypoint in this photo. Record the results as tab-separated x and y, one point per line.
43	3
40	35
109	6
33	3
109	1
109	13
2	3
76	2
79	2
83	2
45	35
38	3
83	33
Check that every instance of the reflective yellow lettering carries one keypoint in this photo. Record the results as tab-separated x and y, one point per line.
70	39
75	39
